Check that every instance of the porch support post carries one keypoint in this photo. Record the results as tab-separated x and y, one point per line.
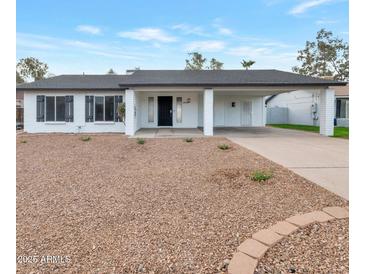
130	98
326	112
208	112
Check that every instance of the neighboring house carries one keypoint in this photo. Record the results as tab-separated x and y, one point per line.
19	109
302	107
163	98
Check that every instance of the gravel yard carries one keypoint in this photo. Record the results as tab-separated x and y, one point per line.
167	206
318	248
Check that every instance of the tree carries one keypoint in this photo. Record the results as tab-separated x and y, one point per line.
327	56
111	71
247	64
196	61
32	67
215	64
19	79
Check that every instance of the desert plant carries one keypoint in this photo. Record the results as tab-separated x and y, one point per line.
140	141
121	112
260	176
188	139
85	138
223	146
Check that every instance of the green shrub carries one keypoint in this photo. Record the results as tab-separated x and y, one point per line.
188	140
85	138
140	141
23	141
224	146
260	176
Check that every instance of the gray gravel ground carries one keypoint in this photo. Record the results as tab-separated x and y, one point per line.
318	248
167	206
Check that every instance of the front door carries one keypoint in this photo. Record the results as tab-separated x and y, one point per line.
165	111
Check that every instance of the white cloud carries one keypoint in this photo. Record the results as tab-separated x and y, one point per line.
304	6
325	22
57	46
217	23
189	29
225	31
205	46
88	29
148	34
81	44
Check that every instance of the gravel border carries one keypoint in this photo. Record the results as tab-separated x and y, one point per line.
318	248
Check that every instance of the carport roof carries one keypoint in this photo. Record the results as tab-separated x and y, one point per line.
203	78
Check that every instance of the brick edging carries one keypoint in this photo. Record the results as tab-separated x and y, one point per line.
249	253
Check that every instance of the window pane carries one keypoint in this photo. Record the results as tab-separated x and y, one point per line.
109	108
99	108
50	108
151	109
60	108
178	109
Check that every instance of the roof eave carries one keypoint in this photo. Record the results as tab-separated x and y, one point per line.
211	85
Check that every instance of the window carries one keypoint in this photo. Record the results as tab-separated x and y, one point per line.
60	108
151	109
50	108
109	108
178	109
104	108
57	109
342	108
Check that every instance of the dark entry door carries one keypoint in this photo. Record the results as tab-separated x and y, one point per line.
165	111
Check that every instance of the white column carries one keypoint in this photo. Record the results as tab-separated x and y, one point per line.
130	98
326	112
208	112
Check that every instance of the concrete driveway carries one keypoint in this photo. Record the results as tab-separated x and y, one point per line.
322	160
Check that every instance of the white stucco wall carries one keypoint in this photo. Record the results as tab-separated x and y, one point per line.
78	125
227	116
189	110
192	111
299	104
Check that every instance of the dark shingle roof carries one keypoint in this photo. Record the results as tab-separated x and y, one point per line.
106	81
206	78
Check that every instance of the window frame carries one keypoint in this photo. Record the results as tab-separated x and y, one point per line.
54	121
179	109
151	112
104	109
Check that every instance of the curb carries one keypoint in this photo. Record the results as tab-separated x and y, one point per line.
249	253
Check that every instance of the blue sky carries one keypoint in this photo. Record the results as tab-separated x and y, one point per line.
79	36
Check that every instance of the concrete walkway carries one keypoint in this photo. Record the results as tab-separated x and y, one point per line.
322	160
168	133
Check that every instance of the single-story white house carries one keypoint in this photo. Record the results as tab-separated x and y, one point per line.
164	98
302	107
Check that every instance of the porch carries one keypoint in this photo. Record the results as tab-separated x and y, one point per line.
168	133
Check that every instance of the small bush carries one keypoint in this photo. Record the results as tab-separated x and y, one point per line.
260	176
85	138
188	140
140	141
23	141
224	146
